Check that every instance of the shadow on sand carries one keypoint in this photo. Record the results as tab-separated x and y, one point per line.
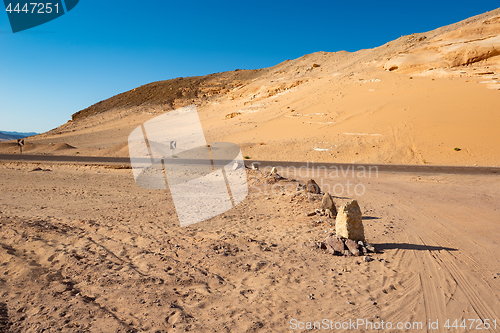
418	247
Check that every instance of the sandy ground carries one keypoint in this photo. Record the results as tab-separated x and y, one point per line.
83	249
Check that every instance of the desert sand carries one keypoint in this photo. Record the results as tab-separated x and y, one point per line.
410	101
84	249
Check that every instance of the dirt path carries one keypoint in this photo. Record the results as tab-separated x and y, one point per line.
83	249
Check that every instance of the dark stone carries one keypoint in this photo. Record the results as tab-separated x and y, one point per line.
312	187
352	246
327	203
335	243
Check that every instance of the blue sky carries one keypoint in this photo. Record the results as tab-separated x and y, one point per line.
102	48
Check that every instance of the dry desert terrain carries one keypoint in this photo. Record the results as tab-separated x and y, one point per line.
84	249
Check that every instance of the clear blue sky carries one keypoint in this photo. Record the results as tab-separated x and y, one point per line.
102	48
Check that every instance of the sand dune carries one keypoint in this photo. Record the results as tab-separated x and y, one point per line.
410	101
62	146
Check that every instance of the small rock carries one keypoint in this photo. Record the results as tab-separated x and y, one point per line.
347	253
255	167
370	248
335	243
37	169
312	187
236	165
367	259
328	204
352	246
330	214
273	171
322	245
311	214
313	245
232	115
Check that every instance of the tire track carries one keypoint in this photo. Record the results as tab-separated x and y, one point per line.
434	299
445	260
480	308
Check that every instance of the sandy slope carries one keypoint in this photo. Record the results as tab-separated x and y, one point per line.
411	101
115	259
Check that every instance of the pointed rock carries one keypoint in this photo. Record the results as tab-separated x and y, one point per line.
349	223
327	203
312	187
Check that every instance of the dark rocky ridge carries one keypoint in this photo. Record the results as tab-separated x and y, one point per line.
175	92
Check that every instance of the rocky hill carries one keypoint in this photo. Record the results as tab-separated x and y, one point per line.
426	98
